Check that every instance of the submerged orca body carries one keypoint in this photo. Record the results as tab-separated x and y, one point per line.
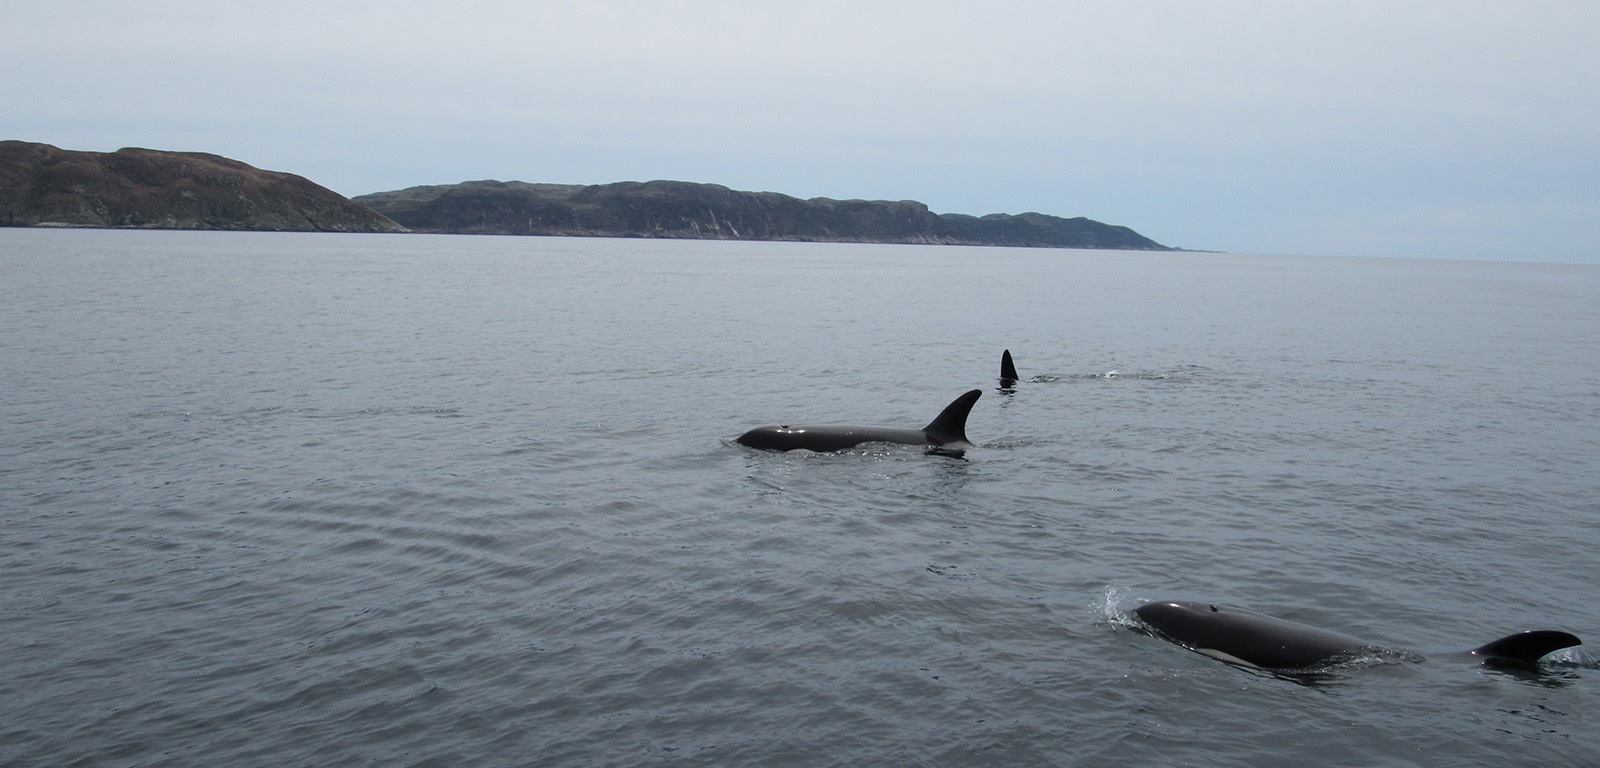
1008	370
947	433
1247	638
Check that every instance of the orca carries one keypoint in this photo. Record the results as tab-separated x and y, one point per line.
946	434
1246	638
1008	371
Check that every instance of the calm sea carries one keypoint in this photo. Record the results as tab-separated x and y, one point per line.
284	500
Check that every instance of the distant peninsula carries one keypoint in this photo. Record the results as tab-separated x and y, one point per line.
45	186
685	210
41	185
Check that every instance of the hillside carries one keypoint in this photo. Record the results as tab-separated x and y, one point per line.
42	185
675	209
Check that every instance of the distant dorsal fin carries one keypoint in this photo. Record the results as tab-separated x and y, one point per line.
1526	647
1008	371
950	426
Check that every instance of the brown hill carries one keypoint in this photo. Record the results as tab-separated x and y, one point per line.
145	188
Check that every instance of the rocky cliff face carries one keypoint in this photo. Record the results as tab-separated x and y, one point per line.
43	185
674	209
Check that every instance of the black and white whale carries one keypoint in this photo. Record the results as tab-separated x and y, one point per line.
946	434
1244	637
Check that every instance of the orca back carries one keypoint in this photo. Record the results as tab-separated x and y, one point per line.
1525	647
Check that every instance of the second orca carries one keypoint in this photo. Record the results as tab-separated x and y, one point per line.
1251	639
946	434
1008	370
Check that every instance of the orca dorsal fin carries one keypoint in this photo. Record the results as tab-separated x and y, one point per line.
1008	370
1526	647
950	426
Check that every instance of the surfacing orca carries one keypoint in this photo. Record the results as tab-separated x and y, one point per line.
1251	639
1008	371
946	434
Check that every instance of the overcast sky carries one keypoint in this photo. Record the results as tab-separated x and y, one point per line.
1457	128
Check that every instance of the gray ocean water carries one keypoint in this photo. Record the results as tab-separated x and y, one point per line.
283	500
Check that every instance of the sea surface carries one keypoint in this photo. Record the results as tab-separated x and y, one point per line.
408	500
